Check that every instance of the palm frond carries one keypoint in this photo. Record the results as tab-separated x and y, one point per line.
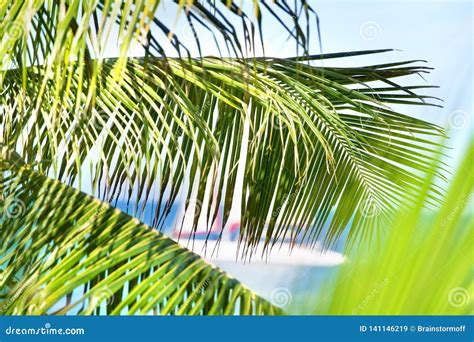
322	146
64	252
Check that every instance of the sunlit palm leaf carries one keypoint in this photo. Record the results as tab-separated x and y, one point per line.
323	146
64	252
335	145
85	27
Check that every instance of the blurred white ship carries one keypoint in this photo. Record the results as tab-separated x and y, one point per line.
218	246
281	274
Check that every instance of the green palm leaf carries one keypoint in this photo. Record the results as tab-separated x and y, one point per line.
322	146
333	142
65	252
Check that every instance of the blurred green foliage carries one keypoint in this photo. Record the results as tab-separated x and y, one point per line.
422	266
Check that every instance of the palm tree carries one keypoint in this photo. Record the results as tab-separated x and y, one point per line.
297	146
